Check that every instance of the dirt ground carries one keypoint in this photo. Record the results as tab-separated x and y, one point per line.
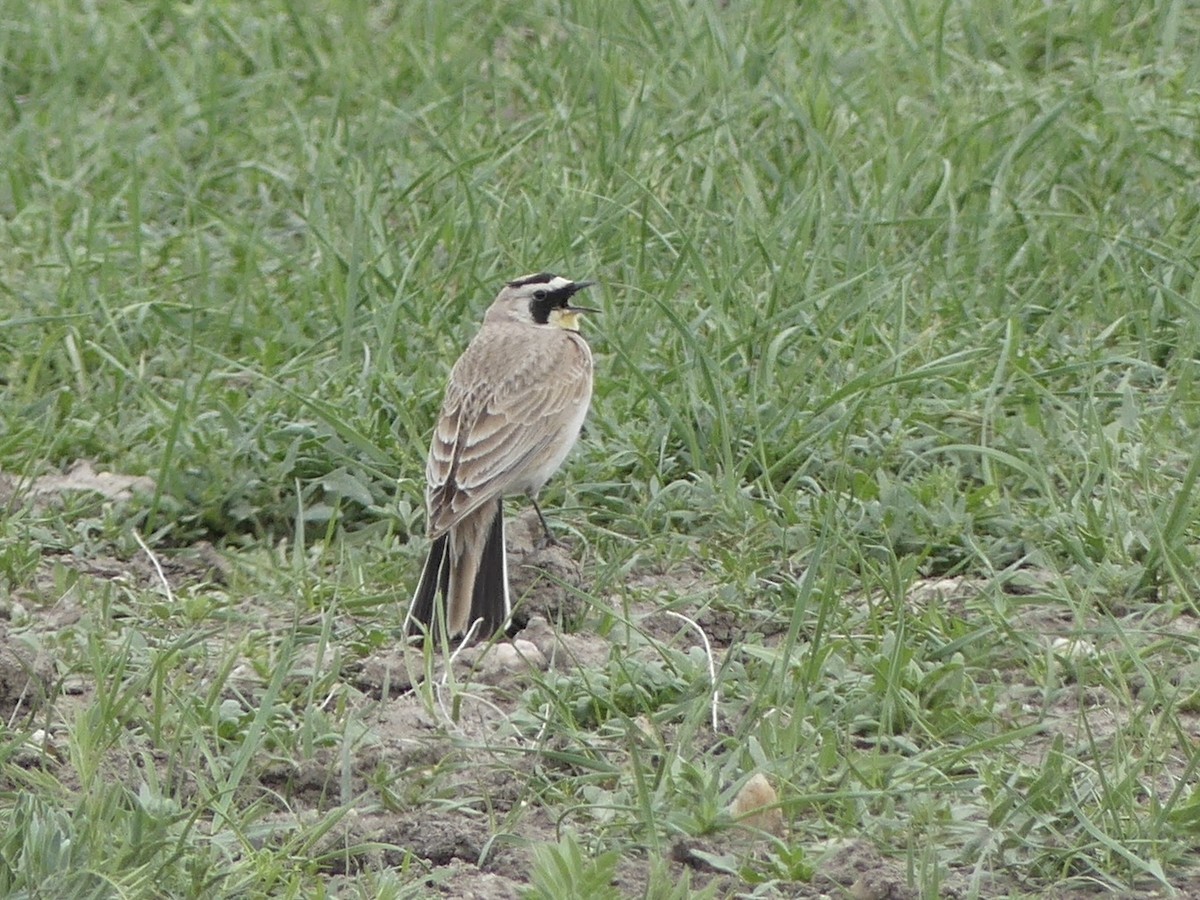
474	847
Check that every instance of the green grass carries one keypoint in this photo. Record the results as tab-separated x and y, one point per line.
892	292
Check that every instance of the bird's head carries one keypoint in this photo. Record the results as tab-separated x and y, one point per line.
541	299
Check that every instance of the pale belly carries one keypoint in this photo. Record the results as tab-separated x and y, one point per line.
537	477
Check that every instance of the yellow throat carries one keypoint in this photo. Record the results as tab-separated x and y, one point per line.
565	318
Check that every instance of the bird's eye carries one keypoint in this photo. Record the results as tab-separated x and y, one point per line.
539	295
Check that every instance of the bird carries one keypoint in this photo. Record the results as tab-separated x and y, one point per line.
513	408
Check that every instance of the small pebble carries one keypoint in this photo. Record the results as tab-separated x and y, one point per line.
756	806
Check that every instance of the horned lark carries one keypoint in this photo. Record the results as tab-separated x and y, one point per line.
512	411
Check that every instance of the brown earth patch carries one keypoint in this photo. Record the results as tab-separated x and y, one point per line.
443	783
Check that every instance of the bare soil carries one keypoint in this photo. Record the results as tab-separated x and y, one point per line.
475	841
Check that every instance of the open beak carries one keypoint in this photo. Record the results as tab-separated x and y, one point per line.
576	288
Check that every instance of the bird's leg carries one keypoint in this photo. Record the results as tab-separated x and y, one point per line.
551	540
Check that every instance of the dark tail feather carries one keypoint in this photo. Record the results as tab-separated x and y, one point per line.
435	579
489	600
